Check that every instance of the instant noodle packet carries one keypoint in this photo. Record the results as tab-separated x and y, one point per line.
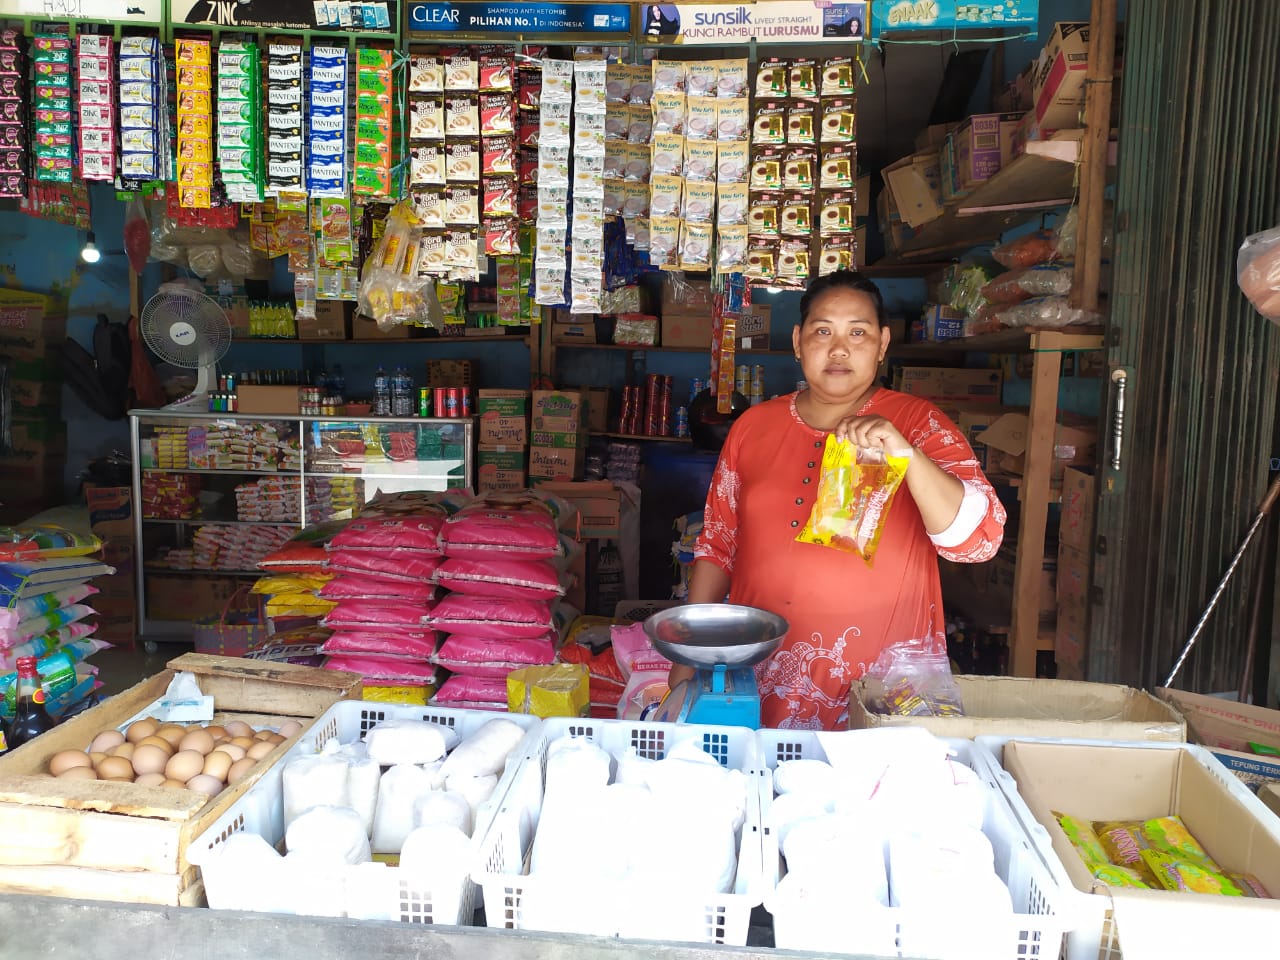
855	491
1187	876
1124	843
1115	876
1083	838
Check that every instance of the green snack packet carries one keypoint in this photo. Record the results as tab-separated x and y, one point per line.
1187	876
1083	838
1170	835
1114	876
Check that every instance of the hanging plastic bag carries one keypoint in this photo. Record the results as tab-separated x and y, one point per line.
1258	272
912	679
137	235
1046	312
1027	250
855	490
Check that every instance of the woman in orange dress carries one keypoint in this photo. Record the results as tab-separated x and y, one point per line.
842	612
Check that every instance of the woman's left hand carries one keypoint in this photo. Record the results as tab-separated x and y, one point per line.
874	433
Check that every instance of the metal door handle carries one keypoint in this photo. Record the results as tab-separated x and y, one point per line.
1121	379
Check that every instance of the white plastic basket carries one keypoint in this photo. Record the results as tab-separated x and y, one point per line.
369	891
502	866
1038	922
1094	935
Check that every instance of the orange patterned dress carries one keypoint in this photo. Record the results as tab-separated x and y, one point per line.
842	612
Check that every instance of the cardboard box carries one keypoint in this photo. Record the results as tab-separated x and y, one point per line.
1071	643
1075	572
450	373
32	471
597	408
687	329
599	505
862	196
188	597
34	373
932	137
949	171
1059	87
560	411
110	510
956	384
251	398
916	186
580	332
943	322
560	440
755	328
1000	590
501	468
1074	444
1227	728
331	322
983	144
860	245
1079	497
504	418
686	297
556	463
1122	782
117	552
364	328
1269	794
117	617
1020	707
973	423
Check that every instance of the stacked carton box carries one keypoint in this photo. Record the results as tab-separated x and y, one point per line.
1075	538
502	454
558	438
111	518
33	462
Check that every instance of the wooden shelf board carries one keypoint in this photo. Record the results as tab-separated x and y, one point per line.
396	341
638	436
1010	340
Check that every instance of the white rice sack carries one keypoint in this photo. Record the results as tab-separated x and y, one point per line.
329	834
440	807
474	790
810	913
408	741
792	808
689	771
485	751
632	768
242	873
805	776
575	765
563	849
398	790
363	779
923	865
432	770
847	854
437	857
704	835
313	781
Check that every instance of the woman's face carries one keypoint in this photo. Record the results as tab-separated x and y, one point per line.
840	345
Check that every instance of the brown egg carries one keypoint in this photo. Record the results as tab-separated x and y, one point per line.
218	764
232	750
260	750
78	773
197	740
141	729
160	742
148	758
238	728
263	735
245	742
124	750
96	758
67	760
276	738
203	783
290	728
105	741
115	767
184	765
150	780
172	733
217	732
240	769
175	784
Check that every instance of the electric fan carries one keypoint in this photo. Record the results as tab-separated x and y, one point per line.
187	329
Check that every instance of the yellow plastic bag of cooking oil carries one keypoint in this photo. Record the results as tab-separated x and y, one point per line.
560	690
855	490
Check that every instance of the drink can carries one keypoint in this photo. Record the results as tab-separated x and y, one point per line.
682	422
437	401
424	401
452	404
466	401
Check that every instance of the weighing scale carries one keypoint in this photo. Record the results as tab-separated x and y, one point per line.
723	641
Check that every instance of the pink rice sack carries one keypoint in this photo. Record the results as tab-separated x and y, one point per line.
479	657
351	586
481	530
411	566
385	668
420	533
378	613
382	643
484	690
492	617
498	576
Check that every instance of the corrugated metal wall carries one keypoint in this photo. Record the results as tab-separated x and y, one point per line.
1199	171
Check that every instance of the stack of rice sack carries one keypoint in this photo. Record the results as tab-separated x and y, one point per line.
295	573
499	567
384	592
589	644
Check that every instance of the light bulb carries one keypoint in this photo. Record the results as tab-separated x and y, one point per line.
90	253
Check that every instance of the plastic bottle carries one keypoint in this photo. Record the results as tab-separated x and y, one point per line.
381	394
402	393
30	719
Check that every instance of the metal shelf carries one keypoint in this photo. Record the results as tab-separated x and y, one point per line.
397	341
638	436
230	473
201	571
225	523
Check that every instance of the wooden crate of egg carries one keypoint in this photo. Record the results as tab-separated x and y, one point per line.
115	825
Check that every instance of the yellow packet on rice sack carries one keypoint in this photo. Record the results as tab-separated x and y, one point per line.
1083	838
290	584
1124	843
559	690
298	605
1170	835
856	487
1114	876
1187	876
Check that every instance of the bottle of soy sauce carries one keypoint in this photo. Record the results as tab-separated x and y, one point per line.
30	719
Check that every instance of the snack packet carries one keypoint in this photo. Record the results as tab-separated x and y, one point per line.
1170	835
1124	843
855	491
1188	876
1115	876
1083	838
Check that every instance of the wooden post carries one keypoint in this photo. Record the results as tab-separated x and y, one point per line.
1093	153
